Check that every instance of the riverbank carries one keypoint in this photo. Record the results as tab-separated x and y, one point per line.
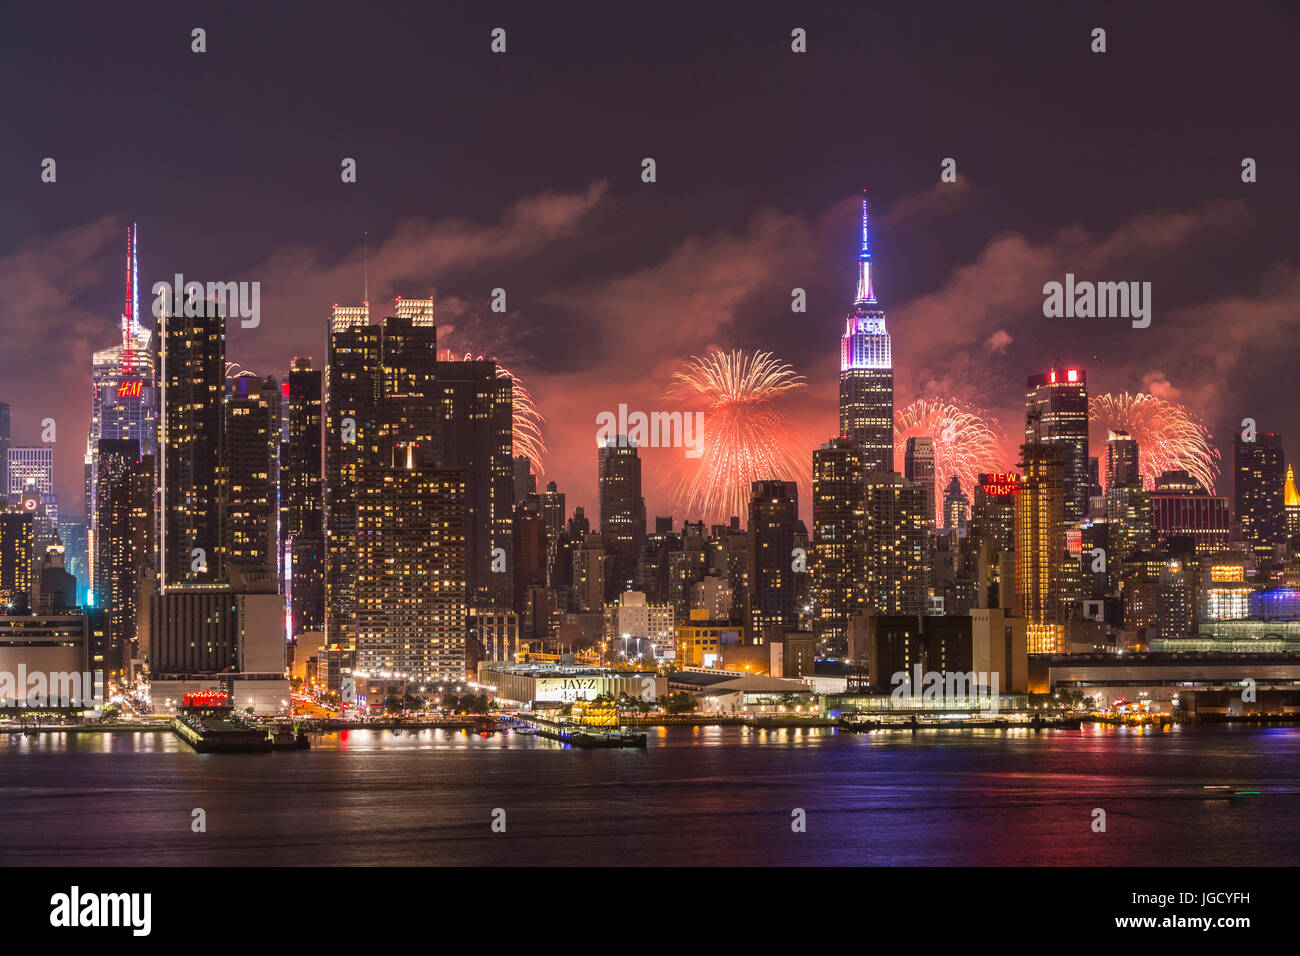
644	722
113	727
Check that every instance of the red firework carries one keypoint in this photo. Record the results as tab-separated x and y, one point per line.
967	441
1168	436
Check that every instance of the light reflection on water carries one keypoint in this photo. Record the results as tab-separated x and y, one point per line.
707	795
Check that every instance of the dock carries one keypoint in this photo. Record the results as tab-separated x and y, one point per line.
220	735
211	734
578	735
207	722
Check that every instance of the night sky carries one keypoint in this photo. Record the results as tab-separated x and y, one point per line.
522	171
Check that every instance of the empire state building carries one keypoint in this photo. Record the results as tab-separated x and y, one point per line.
867	371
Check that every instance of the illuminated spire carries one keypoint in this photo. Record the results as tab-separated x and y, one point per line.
866	294
129	317
135	280
866	342
1291	495
132	330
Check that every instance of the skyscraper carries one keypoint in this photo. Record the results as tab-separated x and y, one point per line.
30	468
419	311
559	564
1040	545
773	514
918	468
1128	506
409	357
4	449
1122	461
1181	507
55	586
302	501
956	506
475	420
252	451
1056	406
386	389
410	572
525	482
192	462
866	370
529	552
31	488
553	510
589	562
837	559
1259	478
1291	502
124	386
15	558
117	562
622	509
993	533
73	534
352	390
896	543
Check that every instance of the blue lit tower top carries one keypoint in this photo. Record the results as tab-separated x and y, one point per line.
865	292
866	342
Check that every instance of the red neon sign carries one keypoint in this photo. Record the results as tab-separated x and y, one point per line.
206	698
130	389
1000	484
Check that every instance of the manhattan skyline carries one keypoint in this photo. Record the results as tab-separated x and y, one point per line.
621	435
604	273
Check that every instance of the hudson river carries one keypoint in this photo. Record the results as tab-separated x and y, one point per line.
711	796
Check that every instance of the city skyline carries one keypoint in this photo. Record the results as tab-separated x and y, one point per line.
599	267
597	435
660	478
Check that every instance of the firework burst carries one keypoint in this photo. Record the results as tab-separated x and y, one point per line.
1168	436
527	421
966	441
745	438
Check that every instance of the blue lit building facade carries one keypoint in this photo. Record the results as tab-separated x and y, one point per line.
867	370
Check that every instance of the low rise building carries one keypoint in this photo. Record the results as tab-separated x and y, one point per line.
548	683
700	640
48	662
